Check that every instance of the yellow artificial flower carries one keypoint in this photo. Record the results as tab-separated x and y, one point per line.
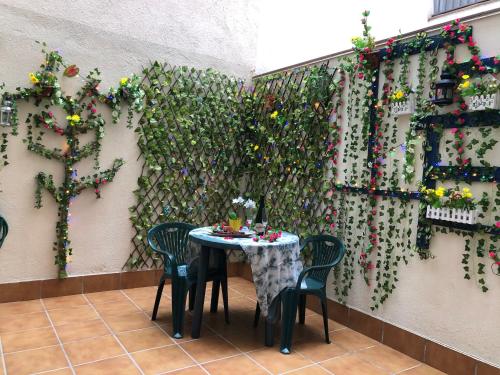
256	147
355	39
274	114
440	191
465	84
33	78
466	190
73	119
123	81
399	94
467	195
465	76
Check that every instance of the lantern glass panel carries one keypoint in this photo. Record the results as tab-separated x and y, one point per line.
5	113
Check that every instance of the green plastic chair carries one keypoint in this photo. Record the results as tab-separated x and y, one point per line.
4	229
170	241
327	252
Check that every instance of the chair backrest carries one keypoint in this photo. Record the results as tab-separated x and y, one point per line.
326	251
4	229
171	238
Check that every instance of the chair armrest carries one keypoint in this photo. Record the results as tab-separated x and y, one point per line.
168	256
305	271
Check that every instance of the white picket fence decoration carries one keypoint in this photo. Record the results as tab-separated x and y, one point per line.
452	214
482	102
406	107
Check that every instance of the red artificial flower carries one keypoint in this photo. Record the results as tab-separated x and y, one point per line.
71	71
361	75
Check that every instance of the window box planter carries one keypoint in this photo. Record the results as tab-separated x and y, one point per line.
482	102
406	107
452	214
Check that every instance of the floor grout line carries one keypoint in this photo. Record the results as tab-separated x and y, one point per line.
2	357
48	371
58	338
241	352
178	345
160	326
115	336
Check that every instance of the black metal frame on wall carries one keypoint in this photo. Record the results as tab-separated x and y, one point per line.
431	157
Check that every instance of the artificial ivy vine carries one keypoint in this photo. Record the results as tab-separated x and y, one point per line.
82	117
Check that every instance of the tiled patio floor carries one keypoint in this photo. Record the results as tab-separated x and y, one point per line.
111	333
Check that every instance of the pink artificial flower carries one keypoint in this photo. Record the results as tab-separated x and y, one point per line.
497	224
461	135
492	254
482	68
460	150
447	28
461	39
361	75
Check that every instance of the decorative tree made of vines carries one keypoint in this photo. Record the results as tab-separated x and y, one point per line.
81	117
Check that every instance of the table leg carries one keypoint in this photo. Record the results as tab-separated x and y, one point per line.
201	284
269	333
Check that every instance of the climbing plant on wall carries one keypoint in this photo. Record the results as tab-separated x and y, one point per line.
191	136
81	117
319	142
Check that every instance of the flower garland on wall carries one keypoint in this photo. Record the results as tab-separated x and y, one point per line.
82	118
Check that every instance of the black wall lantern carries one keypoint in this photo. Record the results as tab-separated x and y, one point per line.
5	112
443	92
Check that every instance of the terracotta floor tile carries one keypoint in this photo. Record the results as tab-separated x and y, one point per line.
72	315
128	322
147	304
239	304
82	330
37	360
24	307
116	308
163	359
64	302
315	321
62	371
105	297
194	370
388	358
144	339
351	365
113	366
311	370
422	370
137	293
167	327
94	349
245	339
32	339
24	322
241	363
317	349
209	348
276	362
351	340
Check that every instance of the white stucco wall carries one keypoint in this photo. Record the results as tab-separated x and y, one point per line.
118	37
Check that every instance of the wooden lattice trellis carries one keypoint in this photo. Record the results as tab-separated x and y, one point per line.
231	135
190	136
